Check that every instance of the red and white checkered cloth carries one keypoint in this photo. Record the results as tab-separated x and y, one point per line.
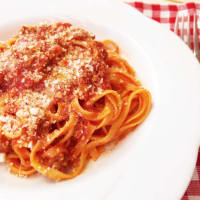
166	15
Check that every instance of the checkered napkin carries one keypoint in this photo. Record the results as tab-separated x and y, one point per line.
166	14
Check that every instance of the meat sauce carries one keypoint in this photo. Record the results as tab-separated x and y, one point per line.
44	64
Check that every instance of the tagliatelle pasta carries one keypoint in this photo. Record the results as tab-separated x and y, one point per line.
63	97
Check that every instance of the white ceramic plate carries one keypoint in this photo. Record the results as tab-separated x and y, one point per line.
157	161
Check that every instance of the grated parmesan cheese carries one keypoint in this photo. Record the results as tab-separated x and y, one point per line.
46	64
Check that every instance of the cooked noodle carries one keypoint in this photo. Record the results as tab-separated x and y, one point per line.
66	99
